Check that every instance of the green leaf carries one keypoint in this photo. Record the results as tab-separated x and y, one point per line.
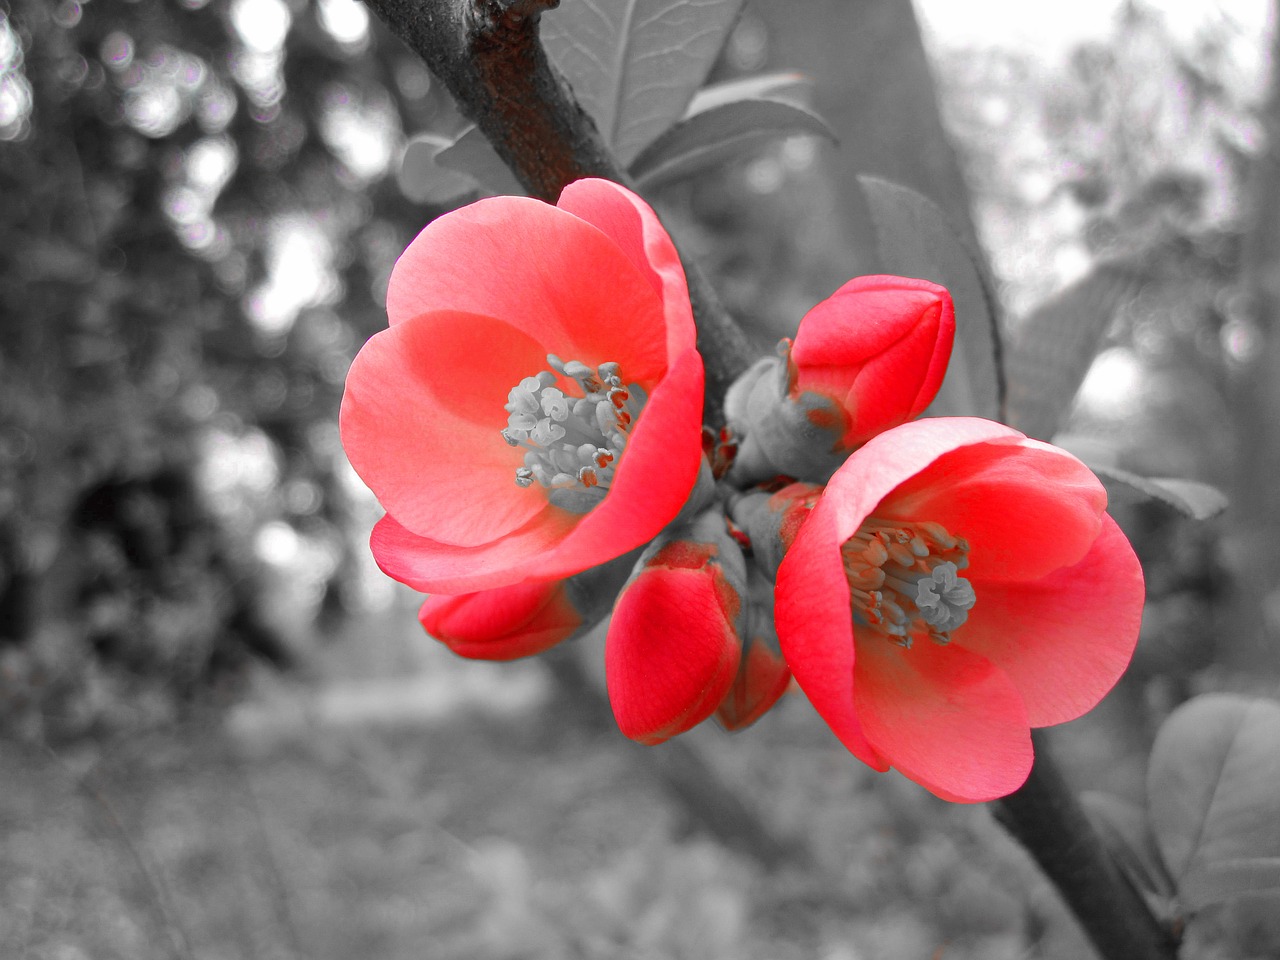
634	64
1213	798
914	239
1199	501
722	133
474	156
423	180
1055	345
787	86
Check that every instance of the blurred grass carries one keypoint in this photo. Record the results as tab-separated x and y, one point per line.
474	833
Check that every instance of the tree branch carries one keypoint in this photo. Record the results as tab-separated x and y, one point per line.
1046	818
487	53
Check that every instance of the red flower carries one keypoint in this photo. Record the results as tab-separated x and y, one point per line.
956	585
673	648
869	357
535	407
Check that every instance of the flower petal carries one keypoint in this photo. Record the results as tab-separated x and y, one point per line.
434	567
423	430
1064	640
814	618
635	228
887	460
546	272
672	651
1025	507
946	718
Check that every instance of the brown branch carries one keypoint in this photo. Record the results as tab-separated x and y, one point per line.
1046	818
487	53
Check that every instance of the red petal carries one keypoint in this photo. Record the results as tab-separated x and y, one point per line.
1025	507
888	460
421	420
502	624
542	270
1064	640
946	718
815	627
433	567
635	228
671	652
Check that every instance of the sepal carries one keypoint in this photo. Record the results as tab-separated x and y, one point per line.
771	520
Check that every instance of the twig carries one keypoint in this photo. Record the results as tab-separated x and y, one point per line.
1046	818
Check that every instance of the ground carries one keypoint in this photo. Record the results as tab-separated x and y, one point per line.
405	804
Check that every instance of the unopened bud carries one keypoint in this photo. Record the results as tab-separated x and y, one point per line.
673	647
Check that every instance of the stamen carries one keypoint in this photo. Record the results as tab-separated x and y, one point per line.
572	444
904	580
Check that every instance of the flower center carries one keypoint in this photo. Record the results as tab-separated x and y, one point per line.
572	444
904	579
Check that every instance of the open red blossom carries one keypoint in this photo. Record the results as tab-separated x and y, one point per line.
535	406
869	357
956	585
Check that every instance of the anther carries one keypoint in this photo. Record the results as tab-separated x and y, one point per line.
572	444
904	580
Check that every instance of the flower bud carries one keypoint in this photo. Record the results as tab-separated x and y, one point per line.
526	618
866	359
673	647
763	676
772	520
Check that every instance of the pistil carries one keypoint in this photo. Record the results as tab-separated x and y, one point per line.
572	444
904	579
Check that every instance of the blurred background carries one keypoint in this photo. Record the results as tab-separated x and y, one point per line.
222	732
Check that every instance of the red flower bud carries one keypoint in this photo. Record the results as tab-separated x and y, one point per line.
504	623
763	676
673	646
525	618
772	520
866	359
